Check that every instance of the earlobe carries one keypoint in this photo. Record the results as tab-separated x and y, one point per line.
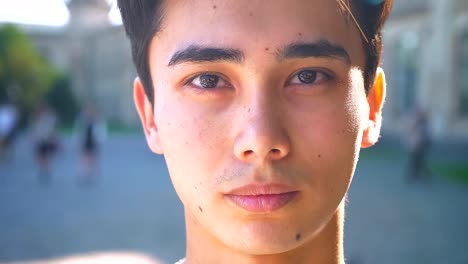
375	99
146	112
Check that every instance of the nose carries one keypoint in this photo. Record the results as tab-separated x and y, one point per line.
263	136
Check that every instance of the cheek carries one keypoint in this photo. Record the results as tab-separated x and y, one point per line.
350	118
334	143
356	105
192	145
334	129
333	140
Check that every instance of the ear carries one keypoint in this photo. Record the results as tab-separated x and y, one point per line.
146	112
375	99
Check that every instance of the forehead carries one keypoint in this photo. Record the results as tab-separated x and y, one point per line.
257	24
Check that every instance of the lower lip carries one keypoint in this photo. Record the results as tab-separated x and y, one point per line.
262	203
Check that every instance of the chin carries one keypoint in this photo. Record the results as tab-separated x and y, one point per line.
264	238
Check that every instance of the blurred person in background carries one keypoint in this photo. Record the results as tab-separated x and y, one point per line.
44	136
8	124
92	132
418	144
260	109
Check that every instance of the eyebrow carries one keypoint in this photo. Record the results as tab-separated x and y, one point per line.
195	53
322	48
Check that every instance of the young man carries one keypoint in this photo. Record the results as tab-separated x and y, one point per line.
260	109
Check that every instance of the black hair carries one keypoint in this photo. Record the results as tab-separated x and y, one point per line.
142	20
371	16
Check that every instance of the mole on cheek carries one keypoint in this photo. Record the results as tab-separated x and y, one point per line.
300	34
267	49
319	156
214	7
201	209
298	236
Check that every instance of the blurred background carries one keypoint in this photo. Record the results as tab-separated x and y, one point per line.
78	184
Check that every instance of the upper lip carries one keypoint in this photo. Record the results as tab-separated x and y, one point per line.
261	189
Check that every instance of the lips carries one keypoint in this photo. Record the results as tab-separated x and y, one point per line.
262	198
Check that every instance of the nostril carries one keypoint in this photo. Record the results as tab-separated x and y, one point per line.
275	151
248	152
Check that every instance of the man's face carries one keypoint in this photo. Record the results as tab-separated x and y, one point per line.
260	112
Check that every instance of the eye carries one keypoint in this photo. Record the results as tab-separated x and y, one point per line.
309	77
207	81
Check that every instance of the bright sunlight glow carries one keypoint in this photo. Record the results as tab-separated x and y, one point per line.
44	12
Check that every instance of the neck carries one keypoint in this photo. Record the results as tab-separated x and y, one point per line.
325	248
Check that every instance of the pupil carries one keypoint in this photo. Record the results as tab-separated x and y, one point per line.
307	76
208	81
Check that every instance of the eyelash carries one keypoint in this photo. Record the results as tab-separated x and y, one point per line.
327	76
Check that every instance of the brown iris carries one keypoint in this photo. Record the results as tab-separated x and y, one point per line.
307	76
208	81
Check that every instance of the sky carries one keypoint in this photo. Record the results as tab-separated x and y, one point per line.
43	12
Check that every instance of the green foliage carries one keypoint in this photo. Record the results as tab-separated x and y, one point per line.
24	73
116	127
60	98
453	171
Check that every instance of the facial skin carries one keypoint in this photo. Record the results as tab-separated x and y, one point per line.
281	110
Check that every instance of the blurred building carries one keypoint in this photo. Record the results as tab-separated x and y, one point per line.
101	61
426	62
425	58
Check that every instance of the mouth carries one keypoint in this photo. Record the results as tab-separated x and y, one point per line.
262	198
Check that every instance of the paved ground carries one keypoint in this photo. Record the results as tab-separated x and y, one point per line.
133	208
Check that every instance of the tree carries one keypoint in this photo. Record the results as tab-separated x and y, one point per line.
60	97
25	76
